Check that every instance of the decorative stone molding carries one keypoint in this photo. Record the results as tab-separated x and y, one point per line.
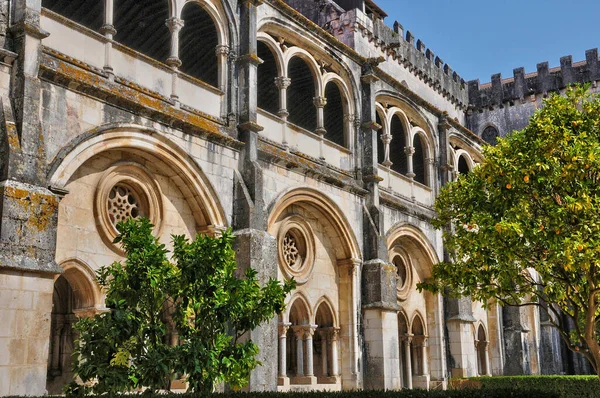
126	190
296	248
404	271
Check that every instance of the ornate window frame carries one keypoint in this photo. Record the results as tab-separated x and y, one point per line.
296	233
136	178
397	252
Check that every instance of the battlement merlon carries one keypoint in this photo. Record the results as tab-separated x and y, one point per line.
543	81
351	20
401	47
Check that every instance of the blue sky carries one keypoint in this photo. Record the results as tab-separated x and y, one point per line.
481	37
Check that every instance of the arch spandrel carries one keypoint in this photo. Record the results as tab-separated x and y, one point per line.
192	182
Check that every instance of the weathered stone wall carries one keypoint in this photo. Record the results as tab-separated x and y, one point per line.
25	305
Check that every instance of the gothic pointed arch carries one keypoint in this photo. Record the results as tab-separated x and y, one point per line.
191	180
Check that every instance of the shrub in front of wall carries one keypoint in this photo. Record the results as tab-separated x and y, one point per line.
560	386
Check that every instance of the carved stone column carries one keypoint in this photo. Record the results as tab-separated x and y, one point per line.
222	51
408	361
320	103
424	355
175	25
299	332
386	138
333	337
410	151
309	332
283	329
109	31
283	83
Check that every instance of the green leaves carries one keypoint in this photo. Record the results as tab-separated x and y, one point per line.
525	224
167	318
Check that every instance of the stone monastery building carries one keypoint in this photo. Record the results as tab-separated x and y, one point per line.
318	133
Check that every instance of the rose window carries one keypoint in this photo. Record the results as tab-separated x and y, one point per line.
123	203
296	247
290	251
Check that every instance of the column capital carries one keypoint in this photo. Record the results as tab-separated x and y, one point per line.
409	150
298	331
386	138
282	82
309	331
430	161
283	328
222	49
334	333
320	102
174	24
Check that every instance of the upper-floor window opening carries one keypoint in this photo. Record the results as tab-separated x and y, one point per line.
380	144
398	146
89	13
198	45
301	94
141	26
419	160
334	114
268	93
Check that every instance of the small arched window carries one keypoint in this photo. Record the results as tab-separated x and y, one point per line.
300	94
198	44
322	346
490	135
333	114
463	165
398	146
268	93
89	13
417	354
141	26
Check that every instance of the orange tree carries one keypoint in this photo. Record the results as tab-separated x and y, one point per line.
195	295
523	228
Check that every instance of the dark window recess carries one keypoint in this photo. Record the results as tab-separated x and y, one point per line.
419	166
268	93
490	135
333	114
397	146
380	146
197	45
141	26
463	166
89	13
300	95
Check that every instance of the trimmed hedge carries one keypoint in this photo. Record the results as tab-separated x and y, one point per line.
471	393
556	386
